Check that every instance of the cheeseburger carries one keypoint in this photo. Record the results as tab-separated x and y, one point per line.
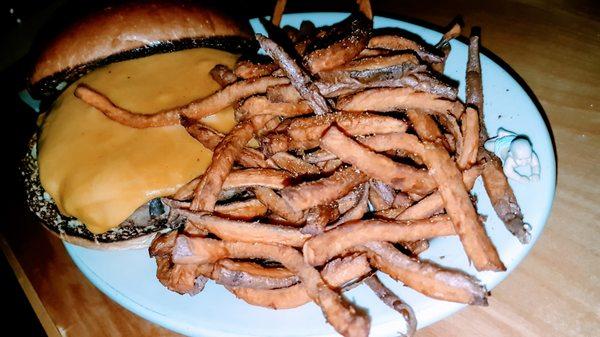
95	182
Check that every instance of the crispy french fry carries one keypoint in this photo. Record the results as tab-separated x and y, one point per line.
322	248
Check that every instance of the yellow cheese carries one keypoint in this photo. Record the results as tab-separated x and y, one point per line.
100	171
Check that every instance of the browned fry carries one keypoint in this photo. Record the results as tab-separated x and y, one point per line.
451	34
261	105
283	298
271	178
340	314
393	99
401	76
394	42
358	210
321	248
293	164
433	203
381	195
336	274
223	75
179	278
470	132
305	133
242	210
373	62
496	184
324	190
364	6
503	199
195	110
392	301
451	125
247	69
210	138
458	205
397	141
228	150
278	205
402	200
120	115
474	84
400	176
300	80
369	52
351	199
331	166
285	93
318	156
278	12
234	230
344	41
251	275
318	217
416	247
163	244
426	277
425	126
339	272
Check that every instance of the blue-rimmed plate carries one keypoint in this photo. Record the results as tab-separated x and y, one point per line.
128	277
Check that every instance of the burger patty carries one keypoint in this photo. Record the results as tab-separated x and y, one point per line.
149	218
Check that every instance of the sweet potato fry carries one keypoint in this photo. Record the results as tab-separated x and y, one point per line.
336	274
210	138
234	230
343	42
425	127
430	205
278	205
318	156
293	164
426	277
305	133
395	42
381	195
271	178
223	75
324	190
285	93
242	210
477	244
195	110
400	176
470	146
392	99
300	80
251	275
330	166
340	314
261	105
207	191
392	301
358	210
247	69
496	184
321	248
318	217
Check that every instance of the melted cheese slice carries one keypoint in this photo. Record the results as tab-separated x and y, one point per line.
100	171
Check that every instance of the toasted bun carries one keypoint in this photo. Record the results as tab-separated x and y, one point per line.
125	236
132	30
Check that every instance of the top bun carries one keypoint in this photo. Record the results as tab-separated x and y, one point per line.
133	30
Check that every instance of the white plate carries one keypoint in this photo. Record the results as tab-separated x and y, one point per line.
128	277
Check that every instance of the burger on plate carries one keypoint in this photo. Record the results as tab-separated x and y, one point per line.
97	183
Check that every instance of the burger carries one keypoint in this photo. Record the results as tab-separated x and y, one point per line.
92	181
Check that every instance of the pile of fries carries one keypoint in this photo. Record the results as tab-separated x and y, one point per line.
365	153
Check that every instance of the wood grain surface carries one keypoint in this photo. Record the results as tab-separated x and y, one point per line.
555	47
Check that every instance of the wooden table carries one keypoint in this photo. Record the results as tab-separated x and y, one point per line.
555	47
